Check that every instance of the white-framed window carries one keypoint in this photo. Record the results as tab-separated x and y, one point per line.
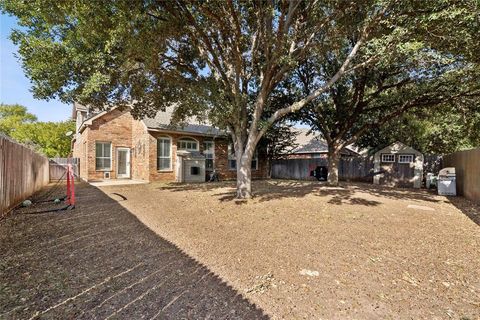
103	156
405	158
388	157
232	161
164	154
209	152
188	144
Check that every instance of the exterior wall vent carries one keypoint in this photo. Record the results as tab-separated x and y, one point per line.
106	175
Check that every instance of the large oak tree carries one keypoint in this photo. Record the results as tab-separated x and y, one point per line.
219	60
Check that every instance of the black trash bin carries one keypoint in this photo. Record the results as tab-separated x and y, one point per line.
321	173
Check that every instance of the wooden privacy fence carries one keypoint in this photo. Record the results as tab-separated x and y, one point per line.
467	169
22	172
58	168
350	168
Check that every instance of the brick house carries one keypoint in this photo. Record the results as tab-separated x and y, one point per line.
113	145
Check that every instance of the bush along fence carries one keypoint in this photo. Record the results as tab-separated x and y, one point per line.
350	168
467	169
22	172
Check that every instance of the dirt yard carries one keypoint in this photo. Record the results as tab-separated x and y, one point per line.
99	262
303	250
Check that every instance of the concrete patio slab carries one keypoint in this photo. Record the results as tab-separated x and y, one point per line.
115	182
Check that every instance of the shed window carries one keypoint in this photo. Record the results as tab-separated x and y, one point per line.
188	144
103	156
164	149
388	157
405	158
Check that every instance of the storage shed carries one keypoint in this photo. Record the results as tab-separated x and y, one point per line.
398	165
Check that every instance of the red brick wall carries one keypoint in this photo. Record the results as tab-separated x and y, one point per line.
221	162
114	127
140	159
156	175
122	130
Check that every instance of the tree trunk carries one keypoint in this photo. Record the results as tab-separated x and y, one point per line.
333	164
244	177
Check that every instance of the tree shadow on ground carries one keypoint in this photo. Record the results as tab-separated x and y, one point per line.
99	261
468	207
200	186
352	193
346	193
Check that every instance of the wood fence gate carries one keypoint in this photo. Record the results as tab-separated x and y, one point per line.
58	168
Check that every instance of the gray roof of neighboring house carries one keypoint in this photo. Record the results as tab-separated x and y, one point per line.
163	118
309	142
312	142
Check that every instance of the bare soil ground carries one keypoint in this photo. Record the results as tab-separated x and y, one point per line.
99	262
303	250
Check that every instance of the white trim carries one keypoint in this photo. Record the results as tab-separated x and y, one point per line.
189	139
405	155
164	157
212	135
388	154
127	175
111	155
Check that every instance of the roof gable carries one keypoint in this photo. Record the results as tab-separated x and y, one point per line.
398	147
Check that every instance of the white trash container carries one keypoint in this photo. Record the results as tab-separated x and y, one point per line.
447	182
430	181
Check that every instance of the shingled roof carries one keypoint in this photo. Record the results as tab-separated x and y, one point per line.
163	118
312	142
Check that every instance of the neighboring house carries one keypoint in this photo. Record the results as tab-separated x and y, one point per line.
310	146
113	145
398	165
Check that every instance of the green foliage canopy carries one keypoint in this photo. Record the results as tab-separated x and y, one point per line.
48	138
12	116
221	60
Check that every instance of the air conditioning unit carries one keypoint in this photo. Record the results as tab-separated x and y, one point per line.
106	175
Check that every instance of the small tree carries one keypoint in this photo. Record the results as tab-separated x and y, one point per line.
280	140
217	60
47	137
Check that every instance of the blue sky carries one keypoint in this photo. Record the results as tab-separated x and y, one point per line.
15	86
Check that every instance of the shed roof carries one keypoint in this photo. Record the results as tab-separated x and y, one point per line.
398	147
